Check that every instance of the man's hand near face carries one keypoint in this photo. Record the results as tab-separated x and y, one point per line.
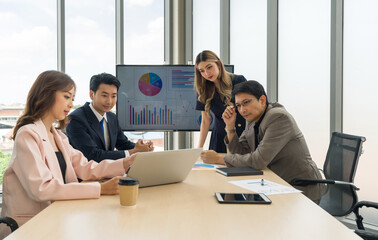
229	118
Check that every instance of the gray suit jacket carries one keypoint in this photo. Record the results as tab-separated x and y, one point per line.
282	148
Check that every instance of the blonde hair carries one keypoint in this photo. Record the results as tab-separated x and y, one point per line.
41	98
206	89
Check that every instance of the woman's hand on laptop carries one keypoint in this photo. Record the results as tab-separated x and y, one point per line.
212	157
110	187
127	161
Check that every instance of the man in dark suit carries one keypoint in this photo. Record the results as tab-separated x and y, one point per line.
95	131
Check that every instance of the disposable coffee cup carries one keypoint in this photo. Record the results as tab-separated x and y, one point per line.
128	191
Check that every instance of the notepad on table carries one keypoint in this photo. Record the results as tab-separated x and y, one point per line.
239	171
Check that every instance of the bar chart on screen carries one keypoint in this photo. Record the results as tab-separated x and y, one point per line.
147	115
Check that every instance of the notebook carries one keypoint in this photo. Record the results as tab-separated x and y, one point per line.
239	171
156	168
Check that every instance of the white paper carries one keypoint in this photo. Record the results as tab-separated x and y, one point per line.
268	187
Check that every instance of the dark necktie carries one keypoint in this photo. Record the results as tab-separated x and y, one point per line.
102	125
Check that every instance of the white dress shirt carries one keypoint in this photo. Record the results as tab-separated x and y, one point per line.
106	131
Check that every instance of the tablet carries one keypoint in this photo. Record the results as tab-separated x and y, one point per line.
249	198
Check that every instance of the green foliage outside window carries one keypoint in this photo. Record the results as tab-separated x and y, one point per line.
4	161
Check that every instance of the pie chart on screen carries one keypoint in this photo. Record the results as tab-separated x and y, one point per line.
150	84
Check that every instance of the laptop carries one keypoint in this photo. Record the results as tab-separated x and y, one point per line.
156	168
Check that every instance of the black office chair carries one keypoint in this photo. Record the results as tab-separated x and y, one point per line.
339	171
361	229
10	222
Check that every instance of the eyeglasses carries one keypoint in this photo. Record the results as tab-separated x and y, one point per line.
244	103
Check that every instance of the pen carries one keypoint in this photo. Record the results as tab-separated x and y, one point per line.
127	171
262	182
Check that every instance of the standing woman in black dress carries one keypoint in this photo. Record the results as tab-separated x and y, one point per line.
214	86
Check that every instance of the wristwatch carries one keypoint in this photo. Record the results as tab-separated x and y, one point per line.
230	131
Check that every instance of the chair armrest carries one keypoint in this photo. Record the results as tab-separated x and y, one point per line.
308	181
346	183
10	222
356	209
366	204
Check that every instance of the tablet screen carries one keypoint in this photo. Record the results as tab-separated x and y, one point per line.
242	198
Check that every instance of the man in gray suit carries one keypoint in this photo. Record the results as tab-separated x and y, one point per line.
271	139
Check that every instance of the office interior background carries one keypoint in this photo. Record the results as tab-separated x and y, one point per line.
316	57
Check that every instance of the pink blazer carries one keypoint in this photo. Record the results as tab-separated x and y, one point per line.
33	179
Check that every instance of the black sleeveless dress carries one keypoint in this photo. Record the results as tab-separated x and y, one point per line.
217	108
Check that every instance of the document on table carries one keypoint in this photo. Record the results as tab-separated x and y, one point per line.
264	186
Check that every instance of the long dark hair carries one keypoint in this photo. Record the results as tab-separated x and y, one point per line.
41	98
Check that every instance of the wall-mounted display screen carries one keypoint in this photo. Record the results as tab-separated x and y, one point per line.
158	97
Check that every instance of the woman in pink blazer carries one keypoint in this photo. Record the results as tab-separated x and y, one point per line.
44	167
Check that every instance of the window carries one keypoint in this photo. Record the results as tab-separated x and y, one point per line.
206	24
144	44
144	32
248	39
304	72
360	86
90	42
27	45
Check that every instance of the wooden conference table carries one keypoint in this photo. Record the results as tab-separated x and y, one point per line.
186	210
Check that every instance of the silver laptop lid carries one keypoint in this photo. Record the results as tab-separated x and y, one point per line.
156	168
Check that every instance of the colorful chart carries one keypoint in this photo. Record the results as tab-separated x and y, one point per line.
183	79
150	84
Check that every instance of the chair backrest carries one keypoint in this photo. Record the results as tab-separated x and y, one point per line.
341	163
